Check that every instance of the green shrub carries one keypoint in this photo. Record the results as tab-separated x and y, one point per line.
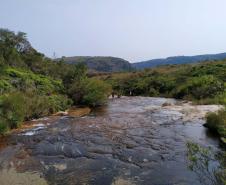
3	126
217	122
96	92
18	107
5	86
163	84
206	86
84	90
153	92
39	105
76	91
12	110
59	103
24	80
36	106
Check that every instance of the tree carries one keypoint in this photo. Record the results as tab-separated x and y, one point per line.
10	39
13	46
76	74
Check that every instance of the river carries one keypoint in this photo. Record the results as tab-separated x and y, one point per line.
133	140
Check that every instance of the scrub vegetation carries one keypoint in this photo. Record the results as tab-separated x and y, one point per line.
32	85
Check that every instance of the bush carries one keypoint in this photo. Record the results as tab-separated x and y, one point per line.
38	105
206	86
12	111
96	92
18	107
76	91
84	90
24	79
3	126
153	92
59	103
217	122
5	86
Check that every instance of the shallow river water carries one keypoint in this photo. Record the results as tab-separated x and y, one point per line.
133	140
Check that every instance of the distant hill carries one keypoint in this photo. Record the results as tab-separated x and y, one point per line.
178	60
101	64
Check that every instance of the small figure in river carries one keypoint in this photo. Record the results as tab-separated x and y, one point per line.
113	94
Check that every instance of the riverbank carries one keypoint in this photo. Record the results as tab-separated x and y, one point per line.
33	125
216	122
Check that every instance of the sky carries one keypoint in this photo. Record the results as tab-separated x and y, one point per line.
135	30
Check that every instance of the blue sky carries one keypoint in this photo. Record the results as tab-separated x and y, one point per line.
135	30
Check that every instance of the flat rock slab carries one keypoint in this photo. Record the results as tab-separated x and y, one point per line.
132	140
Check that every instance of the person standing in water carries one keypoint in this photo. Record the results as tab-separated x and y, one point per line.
113	94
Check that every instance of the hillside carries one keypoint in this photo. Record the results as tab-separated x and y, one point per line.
178	60
101	64
34	86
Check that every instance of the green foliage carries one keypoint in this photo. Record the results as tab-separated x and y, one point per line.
202	83
16	51
5	86
3	126
89	92
13	79
32	86
75	75
206	86
83	90
12	111
217	122
96	92
2	62
14	40
59	103
13	46
38	105
74	83
17	107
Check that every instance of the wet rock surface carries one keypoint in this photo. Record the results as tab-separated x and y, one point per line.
133	140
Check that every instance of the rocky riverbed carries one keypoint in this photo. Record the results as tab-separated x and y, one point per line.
133	140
